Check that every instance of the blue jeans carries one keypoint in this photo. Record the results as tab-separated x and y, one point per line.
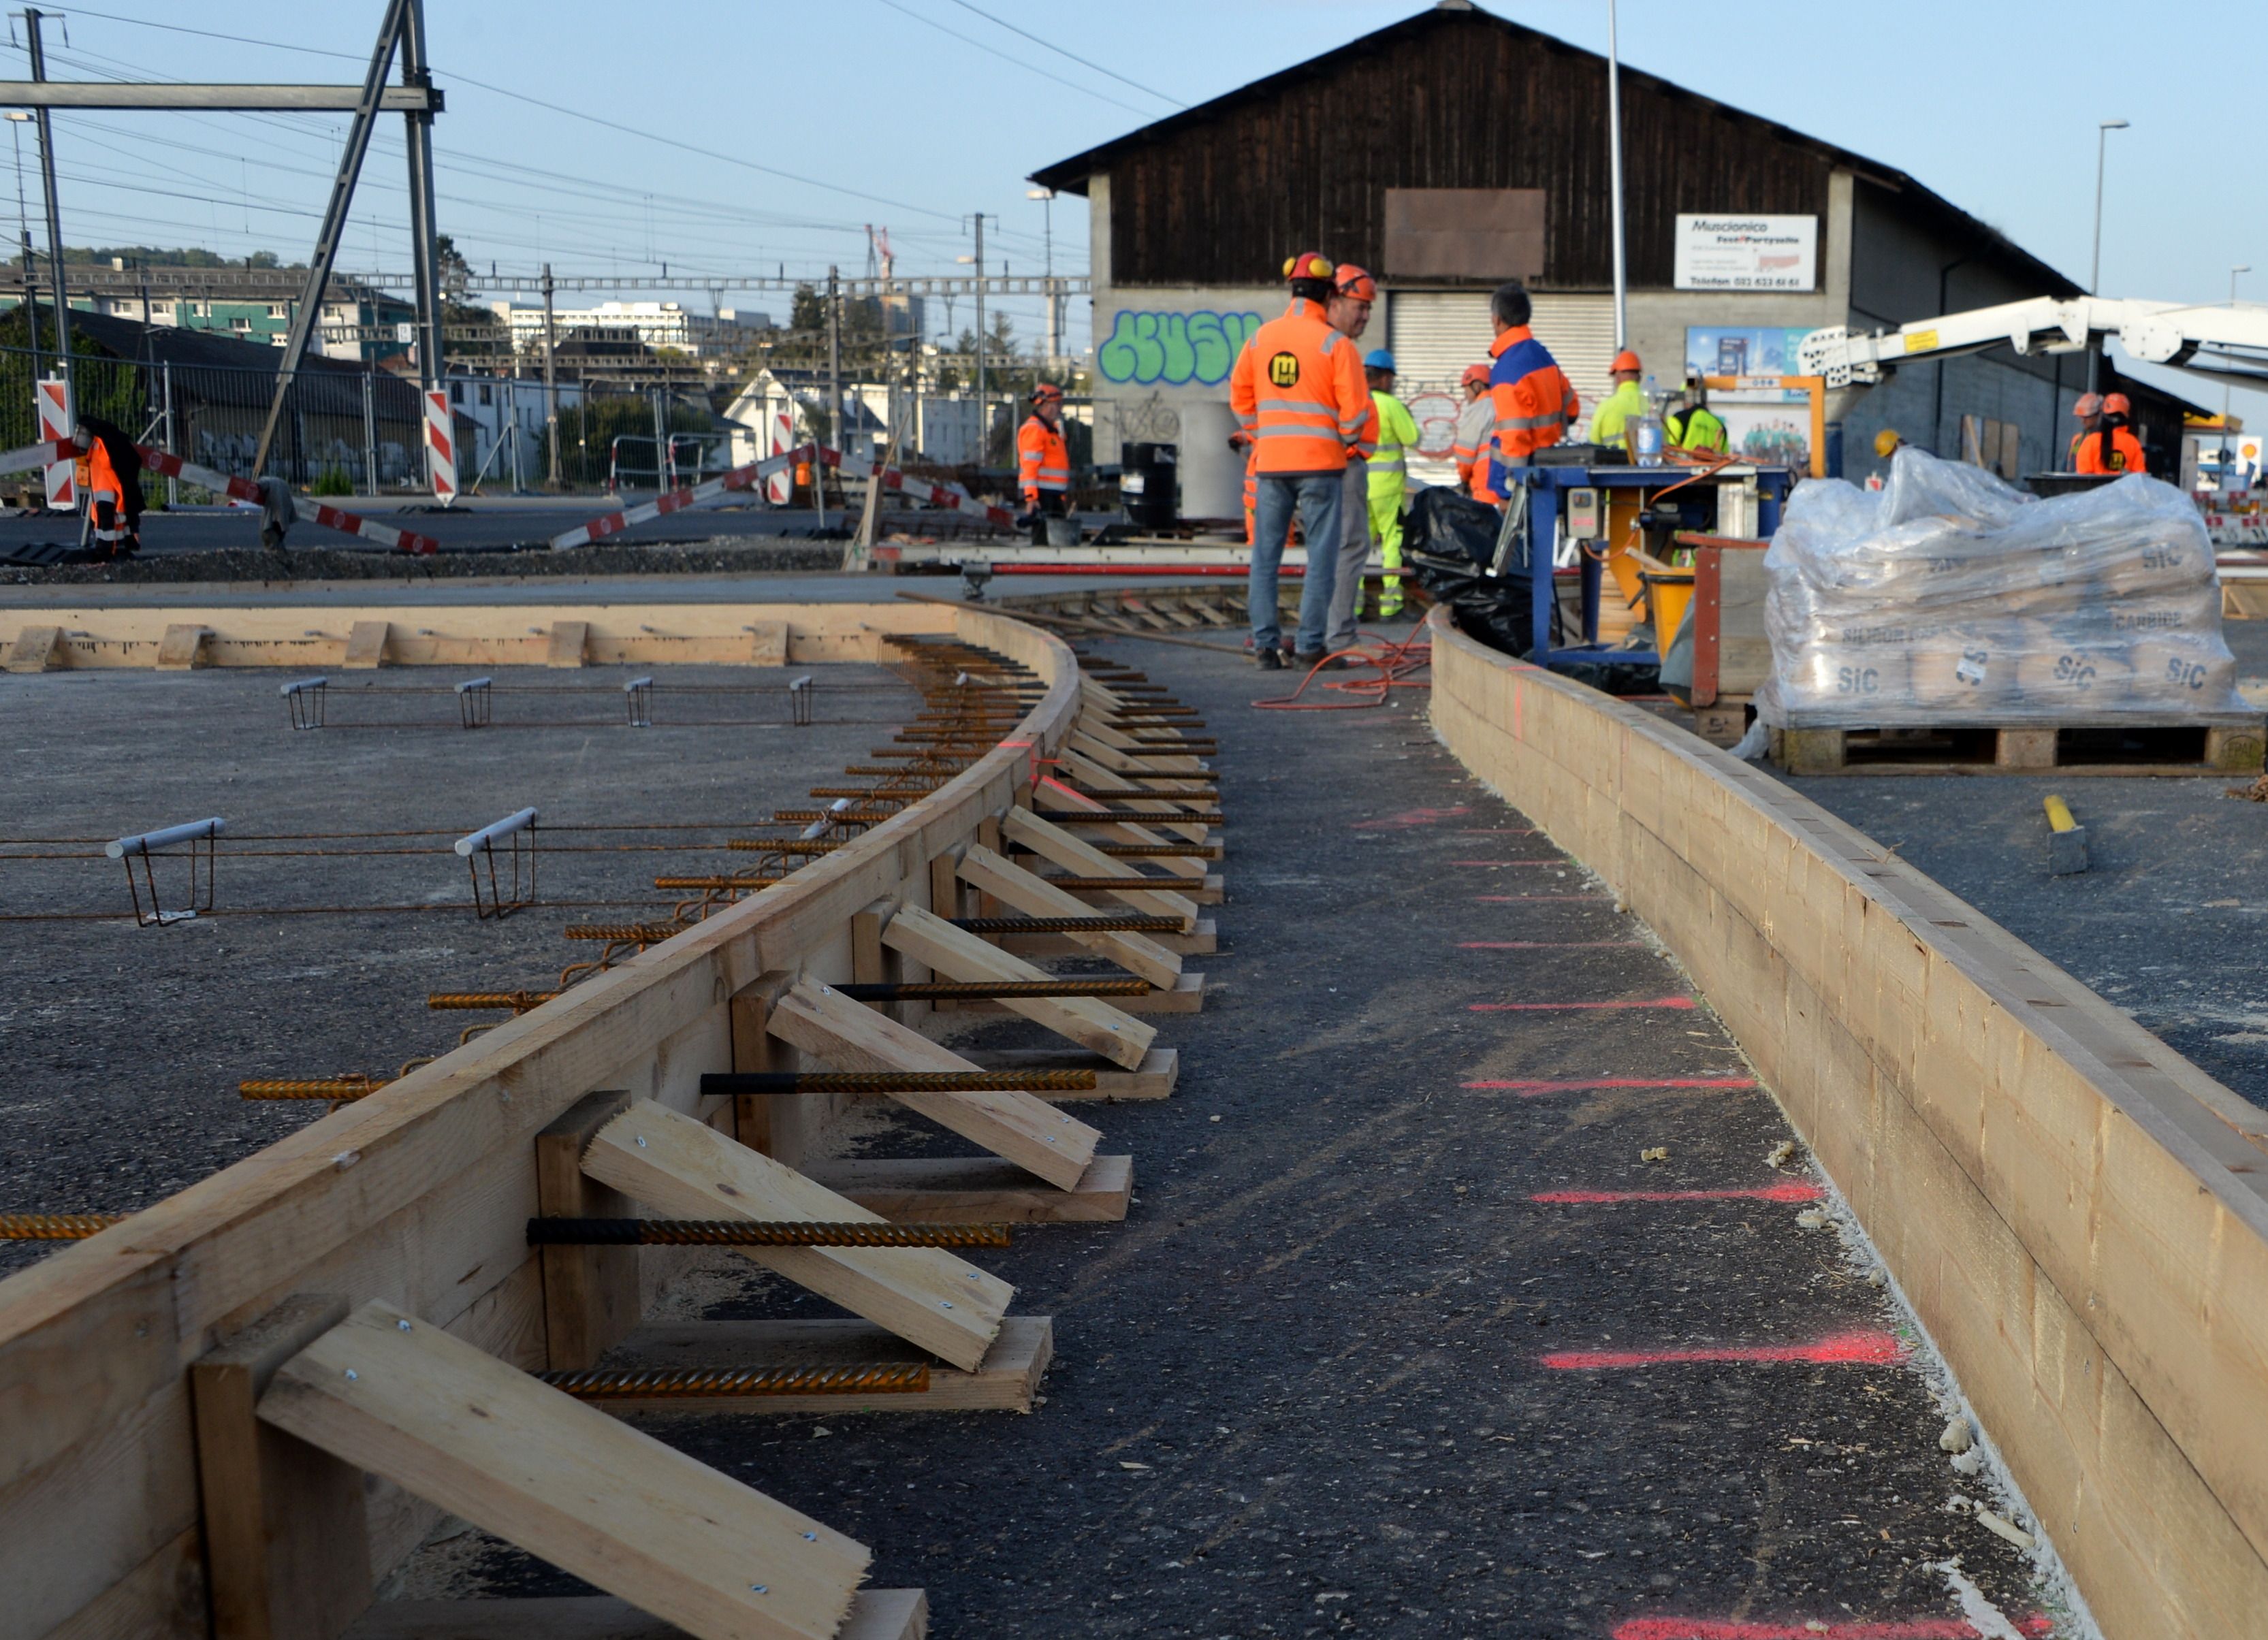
1315	497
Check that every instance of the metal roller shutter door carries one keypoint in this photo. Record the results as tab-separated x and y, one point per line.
1435	334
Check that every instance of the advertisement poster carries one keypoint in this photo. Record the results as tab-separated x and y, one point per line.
1742	351
1772	422
1729	251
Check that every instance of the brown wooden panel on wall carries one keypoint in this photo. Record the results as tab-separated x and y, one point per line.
1464	233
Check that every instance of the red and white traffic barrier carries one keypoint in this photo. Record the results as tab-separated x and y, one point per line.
746	477
57	423
441	446
920	490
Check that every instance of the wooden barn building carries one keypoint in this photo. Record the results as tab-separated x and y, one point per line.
1454	149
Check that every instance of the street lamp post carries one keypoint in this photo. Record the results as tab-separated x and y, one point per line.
2244	269
1047	198
1615	172
2095	270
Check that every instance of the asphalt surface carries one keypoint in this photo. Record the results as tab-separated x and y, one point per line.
2167	920
121	1046
1316	1383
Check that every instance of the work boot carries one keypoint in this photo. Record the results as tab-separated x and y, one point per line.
1320	660
1269	660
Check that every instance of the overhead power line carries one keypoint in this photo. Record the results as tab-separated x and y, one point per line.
997	54
1083	63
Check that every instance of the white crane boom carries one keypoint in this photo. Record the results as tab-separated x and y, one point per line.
2228	342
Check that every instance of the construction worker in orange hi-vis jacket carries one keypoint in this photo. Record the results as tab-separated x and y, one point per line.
2112	447
1535	402
1298	389
2088	409
1475	434
1043	461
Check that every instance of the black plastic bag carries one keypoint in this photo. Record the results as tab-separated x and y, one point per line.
1449	542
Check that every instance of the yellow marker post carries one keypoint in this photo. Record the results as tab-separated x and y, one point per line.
2066	839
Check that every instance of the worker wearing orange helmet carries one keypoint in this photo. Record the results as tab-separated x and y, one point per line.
2088	409
1475	427
1535	402
1610	421
1353	292
1298	388
2111	447
1043	461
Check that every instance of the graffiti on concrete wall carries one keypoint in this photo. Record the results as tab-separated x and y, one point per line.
1174	350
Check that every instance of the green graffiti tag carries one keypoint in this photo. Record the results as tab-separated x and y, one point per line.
1174	349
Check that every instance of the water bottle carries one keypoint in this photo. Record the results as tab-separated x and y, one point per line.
1646	430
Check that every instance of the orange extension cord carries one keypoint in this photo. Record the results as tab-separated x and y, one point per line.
1395	663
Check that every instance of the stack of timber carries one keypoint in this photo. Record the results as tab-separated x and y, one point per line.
234	1413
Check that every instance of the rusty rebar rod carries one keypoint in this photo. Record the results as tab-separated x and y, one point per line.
782	845
682	883
1104	884
644	933
1137	817
733	1084
1157	851
909	1377
519	1001
835	817
746	1233
352	1087
54	1226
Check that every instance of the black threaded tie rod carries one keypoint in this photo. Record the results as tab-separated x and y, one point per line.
731	1083
888	1379
1131	924
982	990
743	1233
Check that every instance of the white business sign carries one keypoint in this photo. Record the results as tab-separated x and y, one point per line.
1726	252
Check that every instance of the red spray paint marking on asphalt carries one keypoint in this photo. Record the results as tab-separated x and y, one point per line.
1864	1348
1657	1002
1498	831
1496	863
1510	899
1546	945
1787	1190
1585	1083
1742	1629
1411	817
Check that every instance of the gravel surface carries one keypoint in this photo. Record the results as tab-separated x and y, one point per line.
305	562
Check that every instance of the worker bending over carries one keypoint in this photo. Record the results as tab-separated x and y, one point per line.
2111	447
1534	401
1691	425
1475	429
1043	461
1389	474
1610	421
1353	291
1297	387
110	476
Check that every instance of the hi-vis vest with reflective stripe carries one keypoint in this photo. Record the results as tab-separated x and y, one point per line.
1397	435
1535	402
1042	459
1298	388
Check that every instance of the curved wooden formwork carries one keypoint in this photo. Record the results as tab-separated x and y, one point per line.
2078	1215
394	1233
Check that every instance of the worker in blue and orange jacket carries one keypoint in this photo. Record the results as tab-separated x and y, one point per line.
1476	433
1043	461
1298	388
2112	447
1535	402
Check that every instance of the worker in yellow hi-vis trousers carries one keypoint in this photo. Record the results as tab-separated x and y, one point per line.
1389	473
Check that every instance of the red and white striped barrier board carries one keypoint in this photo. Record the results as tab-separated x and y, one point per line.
781	489
920	490
441	446
58	423
371	530
746	477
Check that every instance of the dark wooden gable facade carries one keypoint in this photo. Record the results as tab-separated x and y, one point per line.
1452	97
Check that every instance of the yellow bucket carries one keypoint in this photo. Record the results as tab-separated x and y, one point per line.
1667	591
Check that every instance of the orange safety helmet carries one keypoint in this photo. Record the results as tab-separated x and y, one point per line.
2090	404
1354	284
1473	373
2116	404
1307	265
1626	360
1046	390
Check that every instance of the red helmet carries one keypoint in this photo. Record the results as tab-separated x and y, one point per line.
1307	265
1626	360
1045	392
2090	404
1353	284
2116	404
1473	373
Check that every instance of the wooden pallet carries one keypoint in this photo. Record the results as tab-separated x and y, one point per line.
2224	744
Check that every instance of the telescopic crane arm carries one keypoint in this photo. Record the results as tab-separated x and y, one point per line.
2229	343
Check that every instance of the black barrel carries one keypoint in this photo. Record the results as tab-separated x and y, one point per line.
1149	483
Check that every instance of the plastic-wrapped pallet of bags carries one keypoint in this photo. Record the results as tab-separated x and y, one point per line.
1949	598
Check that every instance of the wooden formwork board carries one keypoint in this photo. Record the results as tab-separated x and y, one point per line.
2078	1215
420	1194
359	636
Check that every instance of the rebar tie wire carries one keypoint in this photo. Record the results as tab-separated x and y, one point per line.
739	1084
744	1233
598	1384
54	1227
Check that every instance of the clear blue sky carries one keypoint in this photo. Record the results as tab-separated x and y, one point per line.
912	114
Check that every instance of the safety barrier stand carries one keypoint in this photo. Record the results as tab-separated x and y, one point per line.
475	708
477	848
638	693
204	840
799	701
304	700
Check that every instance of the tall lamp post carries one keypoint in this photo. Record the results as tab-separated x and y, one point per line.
1047	198
2245	269
2095	270
1615	173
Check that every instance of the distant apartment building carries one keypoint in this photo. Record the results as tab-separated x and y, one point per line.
656	324
250	304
